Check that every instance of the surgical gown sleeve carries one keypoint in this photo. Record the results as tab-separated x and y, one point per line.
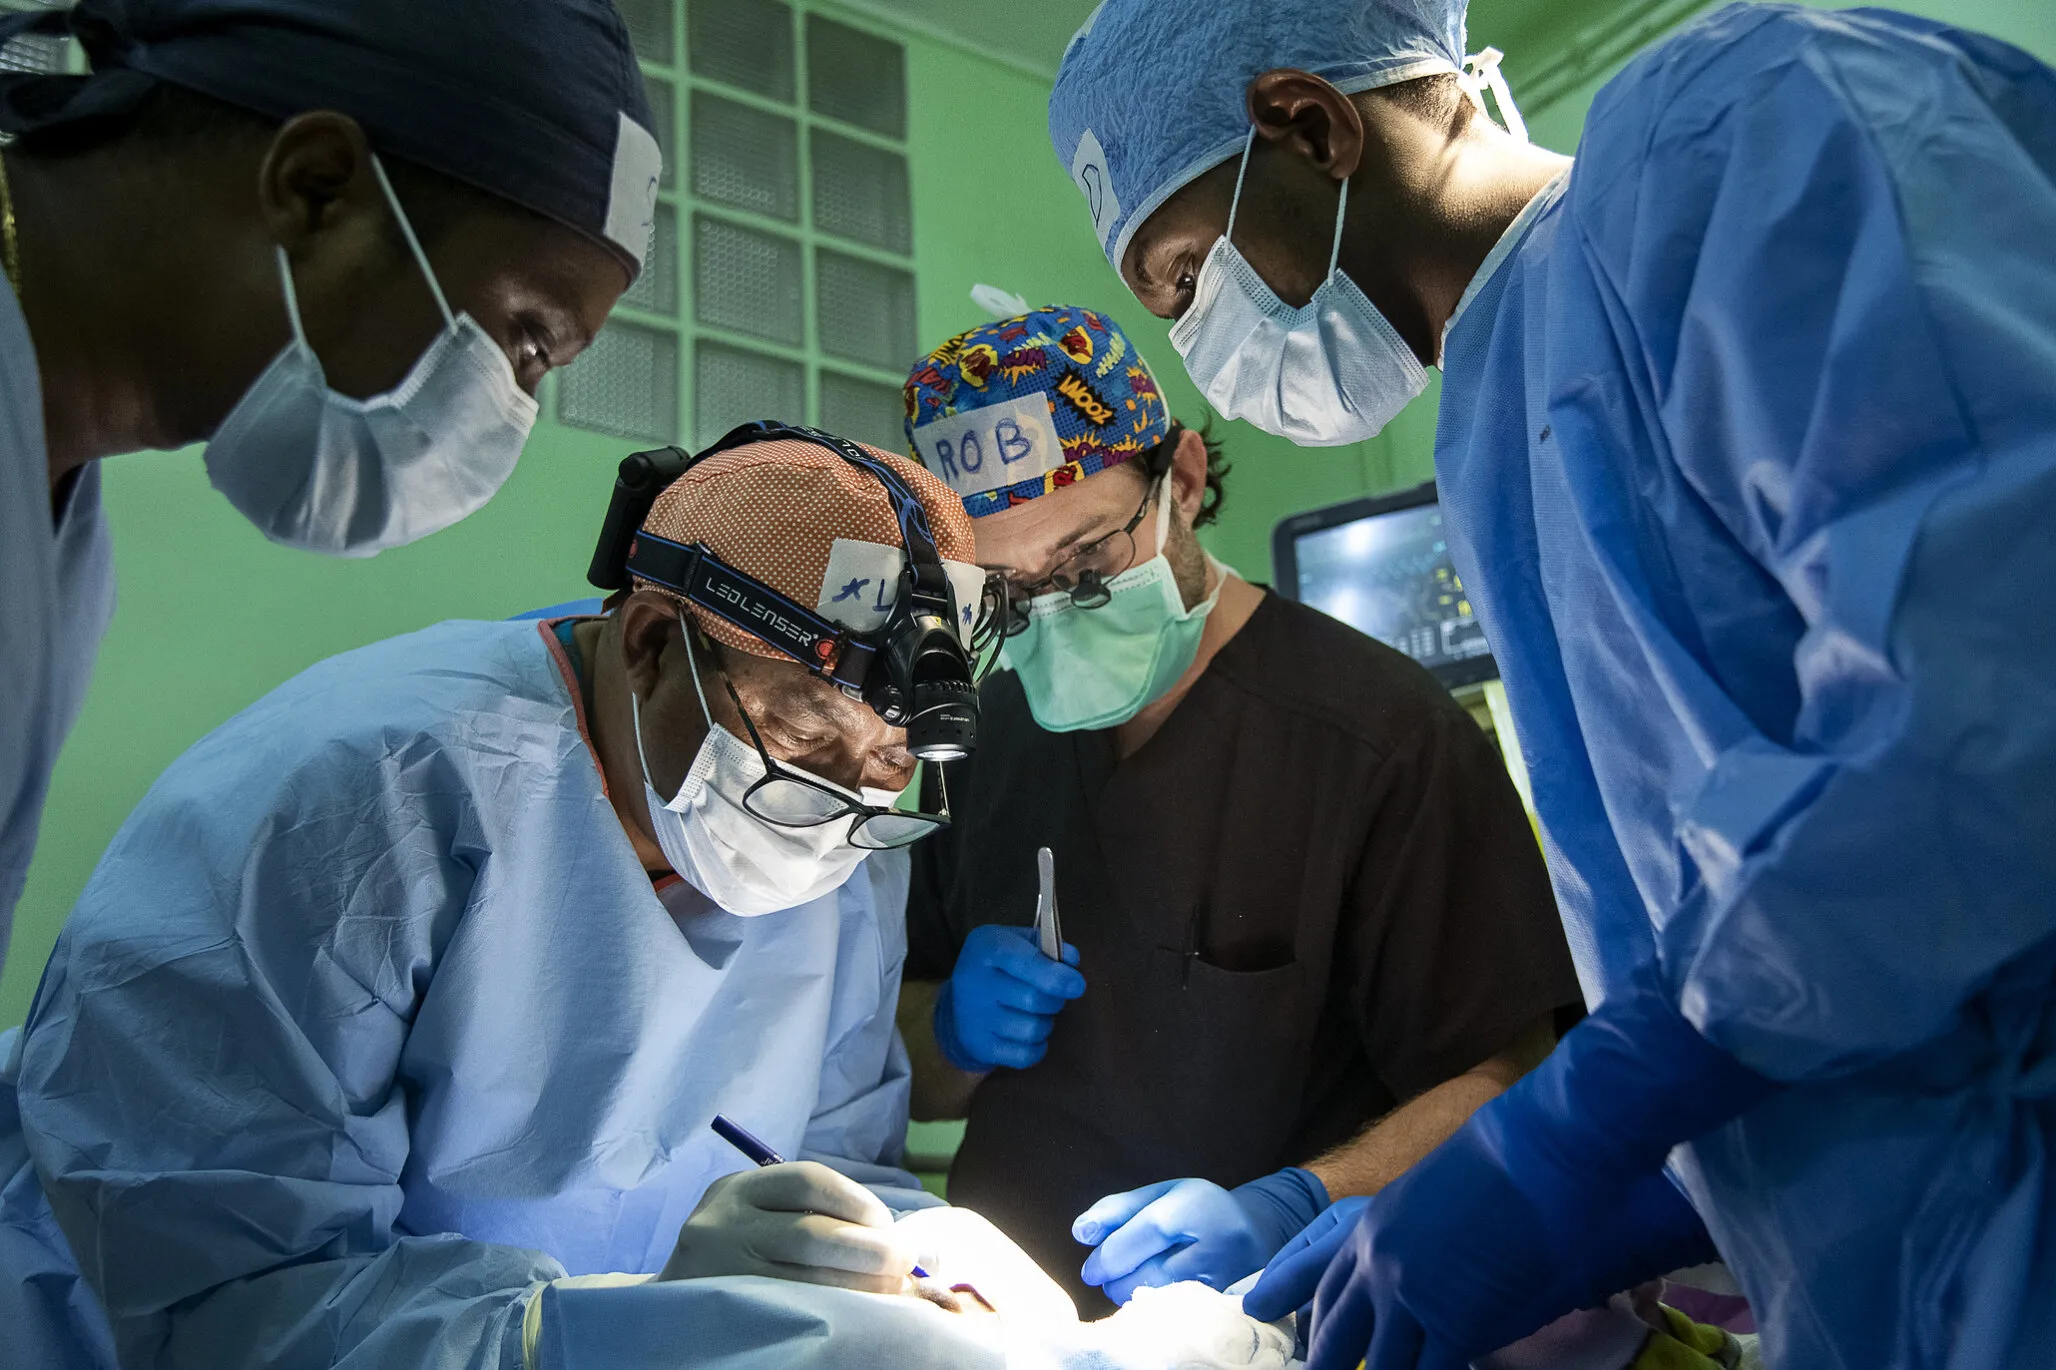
1829	275
859	1124
213	1085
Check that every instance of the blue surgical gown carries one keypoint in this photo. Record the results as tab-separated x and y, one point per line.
370	1022
56	598
1748	454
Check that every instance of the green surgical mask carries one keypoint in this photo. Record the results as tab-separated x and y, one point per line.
1096	668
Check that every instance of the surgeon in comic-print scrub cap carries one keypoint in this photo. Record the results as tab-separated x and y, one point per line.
1307	926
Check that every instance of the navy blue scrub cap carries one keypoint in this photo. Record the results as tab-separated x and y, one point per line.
539	102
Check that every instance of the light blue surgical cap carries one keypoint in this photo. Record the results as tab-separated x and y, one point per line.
1151	94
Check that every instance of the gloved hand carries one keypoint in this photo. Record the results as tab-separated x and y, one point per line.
1550	1198
795	1221
1291	1277
998	1006
1194	1230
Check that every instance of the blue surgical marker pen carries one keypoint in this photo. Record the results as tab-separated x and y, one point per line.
752	1146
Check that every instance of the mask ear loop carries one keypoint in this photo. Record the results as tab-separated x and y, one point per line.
635	713
635	703
285	275
1163	499
1240	171
693	664
1335	248
413	243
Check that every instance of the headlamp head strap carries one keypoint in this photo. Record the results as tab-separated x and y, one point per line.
926	682
922	576
703	579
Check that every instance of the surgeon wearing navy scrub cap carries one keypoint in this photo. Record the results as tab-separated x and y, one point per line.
338	241
1747	453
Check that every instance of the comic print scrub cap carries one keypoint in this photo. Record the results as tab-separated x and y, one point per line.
1011	410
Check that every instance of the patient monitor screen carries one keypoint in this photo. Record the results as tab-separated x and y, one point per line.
1389	575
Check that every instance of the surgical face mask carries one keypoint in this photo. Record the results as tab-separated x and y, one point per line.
1330	372
323	472
744	864
1097	668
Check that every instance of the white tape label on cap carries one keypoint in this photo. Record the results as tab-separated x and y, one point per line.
861	585
1096	180
632	200
994	447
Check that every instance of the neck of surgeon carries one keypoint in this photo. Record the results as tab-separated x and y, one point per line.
107	293
1435	187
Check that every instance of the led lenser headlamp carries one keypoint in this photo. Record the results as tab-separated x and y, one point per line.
914	671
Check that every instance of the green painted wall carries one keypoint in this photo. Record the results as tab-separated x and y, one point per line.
211	616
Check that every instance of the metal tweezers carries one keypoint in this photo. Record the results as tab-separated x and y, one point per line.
1048	933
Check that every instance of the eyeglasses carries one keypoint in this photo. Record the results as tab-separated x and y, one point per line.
1083	575
794	799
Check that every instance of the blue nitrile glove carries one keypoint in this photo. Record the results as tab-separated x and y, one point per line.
999	1004
1291	1277
1551	1198
1653	1231
1194	1230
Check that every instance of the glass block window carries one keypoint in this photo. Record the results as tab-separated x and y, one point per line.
732	386
856	77
664	109
860	192
866	310
650	29
780	282
656	290
868	411
626	384
744	157
748	281
743	44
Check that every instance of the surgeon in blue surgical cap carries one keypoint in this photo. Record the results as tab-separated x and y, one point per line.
339	242
1747	450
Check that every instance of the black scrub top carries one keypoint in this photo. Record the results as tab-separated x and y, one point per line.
1310	896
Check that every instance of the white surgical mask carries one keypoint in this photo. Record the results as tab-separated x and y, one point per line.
744	864
1330	372
326	473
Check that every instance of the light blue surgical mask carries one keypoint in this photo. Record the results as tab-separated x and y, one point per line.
1098	668
1330	372
320	471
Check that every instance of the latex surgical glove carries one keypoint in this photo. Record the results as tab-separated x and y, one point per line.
1194	1230
795	1221
1000	1003
1291	1277
1551	1198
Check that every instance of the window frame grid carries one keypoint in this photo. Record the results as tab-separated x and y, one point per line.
814	362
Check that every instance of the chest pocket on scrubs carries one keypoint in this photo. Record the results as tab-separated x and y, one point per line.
1247	1035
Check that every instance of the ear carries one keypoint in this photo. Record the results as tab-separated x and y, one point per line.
649	626
1305	113
1188	474
316	179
